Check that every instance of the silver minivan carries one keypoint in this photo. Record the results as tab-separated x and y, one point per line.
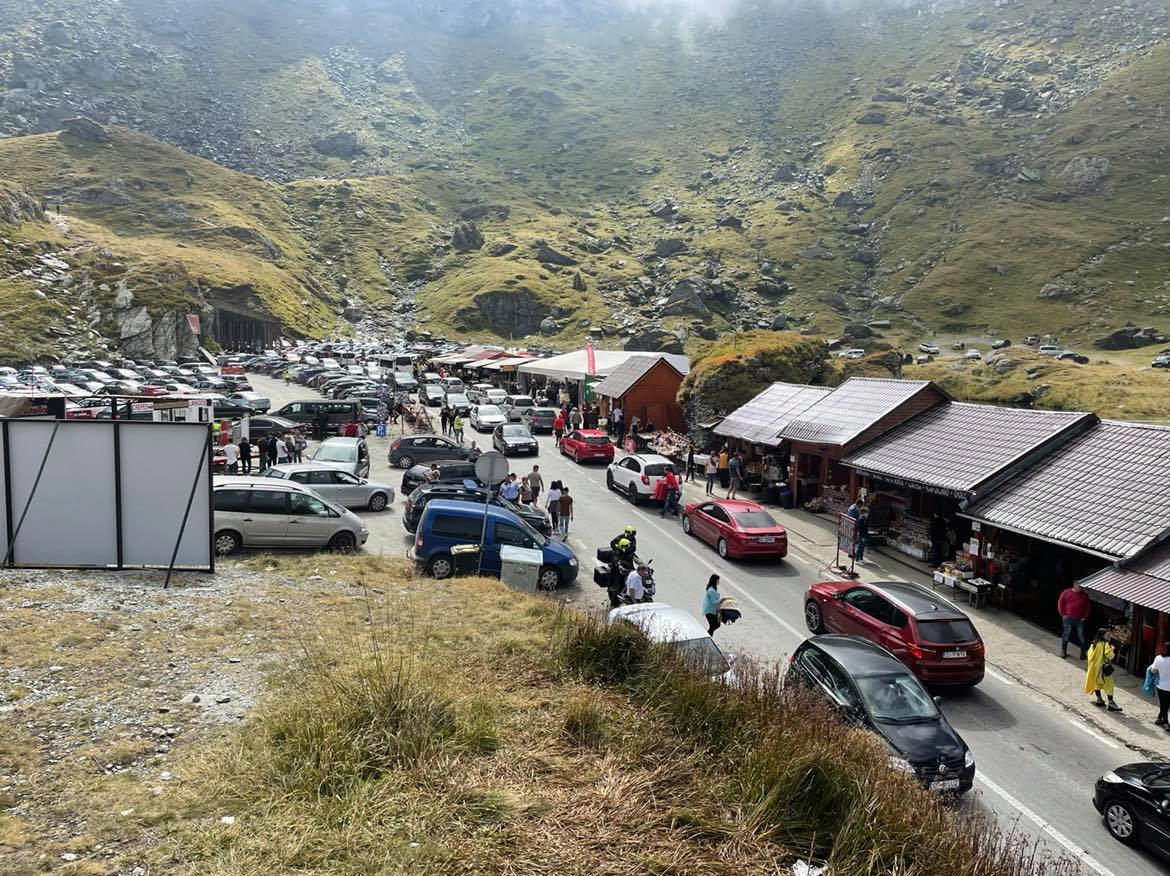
264	512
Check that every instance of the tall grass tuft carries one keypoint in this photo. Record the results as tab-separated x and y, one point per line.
598	653
585	722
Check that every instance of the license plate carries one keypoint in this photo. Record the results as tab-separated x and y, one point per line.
767	539
945	785
952	655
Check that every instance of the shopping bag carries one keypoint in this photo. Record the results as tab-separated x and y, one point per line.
1151	683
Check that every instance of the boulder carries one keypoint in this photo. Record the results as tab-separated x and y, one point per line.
340	144
873	117
548	326
1130	338
1056	291
864	254
845	199
885	95
1039	66
785	172
479	211
669	246
857	331
508	312
773	287
956	310
817	251
85	128
663	209
685	300
1084	173
501	248
779	322
654	340
729	222
547	255
579	282
1016	98
466	237
834	299
58	34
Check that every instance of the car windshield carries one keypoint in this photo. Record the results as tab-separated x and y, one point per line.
657	469
896	698
597	440
514	431
489	411
755	520
946	632
703	655
336	453
456	398
522	401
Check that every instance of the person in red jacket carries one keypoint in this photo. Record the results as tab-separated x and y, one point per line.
672	490
559	426
1073	606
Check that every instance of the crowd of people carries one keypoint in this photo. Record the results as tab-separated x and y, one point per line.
268	449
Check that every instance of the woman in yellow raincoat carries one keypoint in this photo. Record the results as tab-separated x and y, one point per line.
1099	672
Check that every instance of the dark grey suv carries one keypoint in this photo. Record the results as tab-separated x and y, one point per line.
411	449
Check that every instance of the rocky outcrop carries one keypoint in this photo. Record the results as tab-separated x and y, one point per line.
545	254
17	205
340	144
1130	338
1085	173
466	237
511	313
669	246
85	128
654	340
872	118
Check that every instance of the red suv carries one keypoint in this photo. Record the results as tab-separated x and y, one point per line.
930	635
587	444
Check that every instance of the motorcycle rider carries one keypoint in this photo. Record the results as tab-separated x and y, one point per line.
629	534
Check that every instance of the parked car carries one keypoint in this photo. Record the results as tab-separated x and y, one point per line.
339	413
417	501
451	384
339	487
737	528
257	401
445	471
855	353
586	445
485	418
477	393
679	629
446	523
516	407
1000	344
410	449
871	688
637	474
495	396
1134	801
930	349
347	454
403	381
1162	360
432	395
269	424
972	354
541	420
512	438
373	408
934	638
1050	350
1070	356
265	512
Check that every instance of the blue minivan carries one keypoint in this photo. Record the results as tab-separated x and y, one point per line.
445	524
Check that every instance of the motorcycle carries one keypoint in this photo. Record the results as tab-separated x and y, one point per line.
611	573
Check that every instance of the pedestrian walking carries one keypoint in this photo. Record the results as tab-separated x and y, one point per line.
575	418
862	535
559	427
734	473
525	491
1161	669
273	450
670	503
1100	669
536	481
445	418
691	461
712	470
564	512
711	605
300	445
261	451
284	449
724	471
287	377
615	420
553	504
457	428
245	455
231	454
1073	606
509	489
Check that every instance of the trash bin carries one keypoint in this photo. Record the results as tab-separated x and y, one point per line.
465	558
520	567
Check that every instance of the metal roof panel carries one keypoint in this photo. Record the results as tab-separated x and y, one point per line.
850	409
761	419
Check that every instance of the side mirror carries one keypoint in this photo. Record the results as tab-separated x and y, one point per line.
937	700
839	596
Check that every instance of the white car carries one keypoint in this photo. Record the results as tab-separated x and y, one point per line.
672	626
637	474
1050	350
477	392
484	418
929	349
339	487
855	353
972	354
495	397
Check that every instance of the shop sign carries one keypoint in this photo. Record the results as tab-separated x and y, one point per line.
976	526
846	534
141	407
915	485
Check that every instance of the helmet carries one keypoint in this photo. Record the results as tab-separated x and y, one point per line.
631	531
623	544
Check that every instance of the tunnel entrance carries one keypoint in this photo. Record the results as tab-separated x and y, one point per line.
238	326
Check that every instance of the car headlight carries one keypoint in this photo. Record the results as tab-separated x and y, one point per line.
1112	778
968	760
572	561
900	764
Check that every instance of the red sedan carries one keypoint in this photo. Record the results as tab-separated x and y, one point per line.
586	445
738	528
935	640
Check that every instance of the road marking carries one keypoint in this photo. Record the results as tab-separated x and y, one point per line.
1086	729
1092	863
999	676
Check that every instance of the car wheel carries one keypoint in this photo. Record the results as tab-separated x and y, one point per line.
609	480
405	462
550	578
576	457
227	543
441	566
1120	821
378	502
813	618
633	494
687	524
343	542
721	546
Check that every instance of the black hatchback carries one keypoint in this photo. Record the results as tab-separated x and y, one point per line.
417	501
1135	803
872	688
446	471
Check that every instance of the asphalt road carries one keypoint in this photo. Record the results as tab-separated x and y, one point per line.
1035	764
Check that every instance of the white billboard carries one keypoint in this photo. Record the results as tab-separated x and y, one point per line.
105	494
